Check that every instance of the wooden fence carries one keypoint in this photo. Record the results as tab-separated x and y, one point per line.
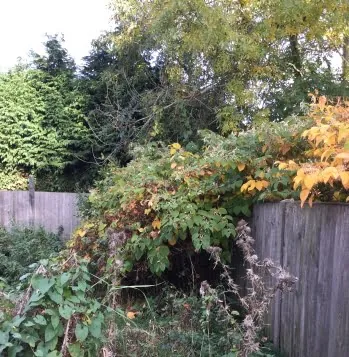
51	210
313	244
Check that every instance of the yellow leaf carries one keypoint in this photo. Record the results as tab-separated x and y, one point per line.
326	154
343	155
244	187
173	151
292	165
252	184
131	315
329	173
156	223
337	196
81	232
309	181
176	146
172	241
282	166
264	148
259	185
304	195
265	183
147	211
345	179
241	167
300	173
343	133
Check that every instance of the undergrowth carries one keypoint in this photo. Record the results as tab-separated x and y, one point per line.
22	246
175	324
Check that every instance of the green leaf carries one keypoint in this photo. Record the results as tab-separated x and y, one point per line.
51	345
54	354
82	285
29	324
65	277
42	284
36	296
39	319
4	337
54	321
17	320
222	210
198	220
75	350
55	297
50	333
96	326
65	311
74	299
12	351
81	332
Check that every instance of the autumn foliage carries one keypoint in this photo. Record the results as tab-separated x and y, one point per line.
328	153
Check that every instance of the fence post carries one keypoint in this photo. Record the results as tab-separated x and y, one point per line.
31	186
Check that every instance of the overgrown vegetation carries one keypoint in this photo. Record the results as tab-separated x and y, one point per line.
188	113
20	247
60	313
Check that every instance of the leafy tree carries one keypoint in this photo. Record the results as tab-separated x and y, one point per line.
42	124
56	61
115	80
225	62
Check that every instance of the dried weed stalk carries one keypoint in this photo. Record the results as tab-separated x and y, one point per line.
260	293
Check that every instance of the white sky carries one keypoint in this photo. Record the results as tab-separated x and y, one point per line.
23	24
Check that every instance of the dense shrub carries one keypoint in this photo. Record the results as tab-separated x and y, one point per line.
21	246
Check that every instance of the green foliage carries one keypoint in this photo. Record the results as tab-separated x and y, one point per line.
38	124
21	247
170	199
43	128
57	307
56	61
227	63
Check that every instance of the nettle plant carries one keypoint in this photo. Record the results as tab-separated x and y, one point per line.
55	316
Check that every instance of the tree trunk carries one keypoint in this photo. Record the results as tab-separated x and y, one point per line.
296	60
345	59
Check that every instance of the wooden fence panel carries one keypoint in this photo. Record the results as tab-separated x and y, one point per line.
50	210
314	319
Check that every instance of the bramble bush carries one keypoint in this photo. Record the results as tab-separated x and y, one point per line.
171	198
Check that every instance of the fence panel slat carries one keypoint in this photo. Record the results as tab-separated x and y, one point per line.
47	209
314	319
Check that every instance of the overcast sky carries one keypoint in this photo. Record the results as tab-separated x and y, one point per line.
23	24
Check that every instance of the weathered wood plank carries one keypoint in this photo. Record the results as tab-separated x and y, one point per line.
314	246
47	209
